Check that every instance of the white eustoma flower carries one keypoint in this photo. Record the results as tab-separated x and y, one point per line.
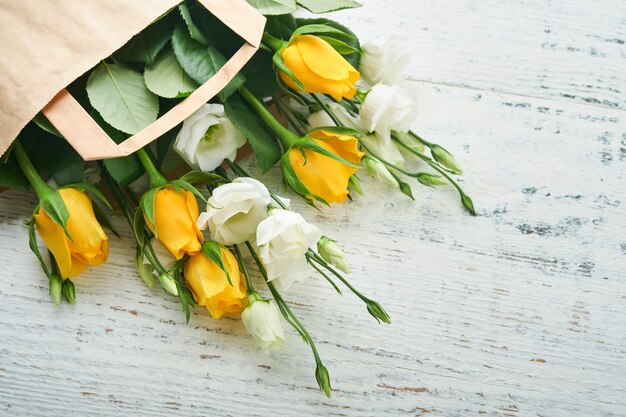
384	63
282	241
235	210
207	137
387	108
263	321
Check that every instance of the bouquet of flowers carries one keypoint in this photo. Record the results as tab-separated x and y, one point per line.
312	101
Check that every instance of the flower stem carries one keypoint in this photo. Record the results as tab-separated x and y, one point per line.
156	178
39	185
328	111
272	42
244	268
286	136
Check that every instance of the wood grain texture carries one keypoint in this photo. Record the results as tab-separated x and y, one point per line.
518	312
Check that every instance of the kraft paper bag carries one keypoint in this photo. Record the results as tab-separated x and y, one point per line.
46	44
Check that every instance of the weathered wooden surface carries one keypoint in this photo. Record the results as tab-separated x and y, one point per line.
520	311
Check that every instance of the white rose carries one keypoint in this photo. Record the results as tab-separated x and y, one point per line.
385	109
235	210
384	63
282	240
207	137
263	321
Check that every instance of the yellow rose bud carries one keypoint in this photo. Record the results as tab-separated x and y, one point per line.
322	175
210	287
175	217
319	68
89	244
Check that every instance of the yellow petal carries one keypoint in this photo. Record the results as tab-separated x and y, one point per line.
54	238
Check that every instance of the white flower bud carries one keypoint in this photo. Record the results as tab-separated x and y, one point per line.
379	171
263	321
331	252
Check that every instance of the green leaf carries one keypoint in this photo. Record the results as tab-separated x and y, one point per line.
316	28
212	251
32	242
281	26
145	46
200	177
273	7
263	141
11	175
201	62
340	46
260	75
147	206
166	78
354	58
324	6
41	121
74	172
55	208
194	32
277	59
121	97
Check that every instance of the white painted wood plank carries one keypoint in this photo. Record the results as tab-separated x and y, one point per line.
563	49
517	312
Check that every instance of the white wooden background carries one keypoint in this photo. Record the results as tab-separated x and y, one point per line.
518	312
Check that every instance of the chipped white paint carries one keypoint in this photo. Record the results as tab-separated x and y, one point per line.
520	311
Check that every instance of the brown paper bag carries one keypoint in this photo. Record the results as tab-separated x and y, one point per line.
45	45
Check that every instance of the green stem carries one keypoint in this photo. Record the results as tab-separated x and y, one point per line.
286	136
285	111
323	263
328	111
272	42
293	320
156	178
39	185
244	268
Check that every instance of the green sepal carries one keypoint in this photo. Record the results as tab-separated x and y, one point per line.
139	227
277	59
340	46
319	28
32	243
341	130
88	188
55	208
200	177
307	142
103	219
182	184
147	206
212	251
285	90
146	271
186	298
294	182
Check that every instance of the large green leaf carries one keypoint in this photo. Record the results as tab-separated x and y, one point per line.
201	62
194	32
324	6
145	46
273	7
11	175
121	97
260	75
166	78
263	141
281	26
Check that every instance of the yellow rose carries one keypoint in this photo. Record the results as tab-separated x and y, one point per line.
211	289
319	68
89	244
322	175
175	217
